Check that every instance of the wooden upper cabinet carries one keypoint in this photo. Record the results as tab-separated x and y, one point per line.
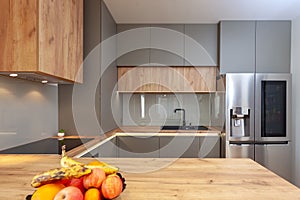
42	38
167	79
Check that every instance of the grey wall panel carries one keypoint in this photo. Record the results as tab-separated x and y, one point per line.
92	38
109	74
28	112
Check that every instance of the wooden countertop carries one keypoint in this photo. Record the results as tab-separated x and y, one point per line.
184	178
134	130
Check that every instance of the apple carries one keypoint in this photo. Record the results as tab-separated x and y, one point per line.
69	193
112	186
94	179
65	182
77	182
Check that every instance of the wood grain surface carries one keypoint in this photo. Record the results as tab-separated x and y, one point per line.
167	79
161	178
42	37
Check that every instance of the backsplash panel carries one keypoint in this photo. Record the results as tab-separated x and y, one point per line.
200	109
28	112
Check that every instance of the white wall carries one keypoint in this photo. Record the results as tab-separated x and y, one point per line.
28	111
296	96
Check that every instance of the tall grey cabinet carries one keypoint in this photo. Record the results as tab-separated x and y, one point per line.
237	46
273	46
255	46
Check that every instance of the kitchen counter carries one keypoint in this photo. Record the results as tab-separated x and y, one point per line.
184	178
140	131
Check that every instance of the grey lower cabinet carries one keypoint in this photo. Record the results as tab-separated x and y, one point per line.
179	147
210	147
108	149
169	147
201	45
138	147
167	44
273	46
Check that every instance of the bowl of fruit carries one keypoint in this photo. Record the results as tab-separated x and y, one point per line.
74	180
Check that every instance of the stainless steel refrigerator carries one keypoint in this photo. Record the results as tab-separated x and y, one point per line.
258	124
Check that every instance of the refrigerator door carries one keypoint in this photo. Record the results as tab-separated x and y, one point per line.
239	150
275	157
272	107
240	106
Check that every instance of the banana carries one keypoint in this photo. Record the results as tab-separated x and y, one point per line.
66	161
69	162
59	174
108	169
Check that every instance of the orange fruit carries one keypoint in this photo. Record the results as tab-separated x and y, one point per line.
47	192
92	194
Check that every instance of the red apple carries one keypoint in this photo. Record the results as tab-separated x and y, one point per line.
94	179
65	182
69	193
77	182
112	186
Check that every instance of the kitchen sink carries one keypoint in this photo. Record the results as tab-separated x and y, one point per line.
183	128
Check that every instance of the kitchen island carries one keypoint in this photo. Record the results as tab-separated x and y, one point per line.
157	178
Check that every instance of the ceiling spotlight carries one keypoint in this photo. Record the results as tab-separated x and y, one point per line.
13	75
44	81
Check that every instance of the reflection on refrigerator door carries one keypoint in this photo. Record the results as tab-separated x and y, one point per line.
275	157
240	151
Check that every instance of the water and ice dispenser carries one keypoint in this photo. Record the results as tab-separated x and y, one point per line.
239	122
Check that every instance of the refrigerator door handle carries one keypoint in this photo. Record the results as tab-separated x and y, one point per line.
240	145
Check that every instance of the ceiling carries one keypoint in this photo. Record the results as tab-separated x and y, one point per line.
200	11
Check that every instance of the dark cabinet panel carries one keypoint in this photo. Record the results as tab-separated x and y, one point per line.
179	147
138	147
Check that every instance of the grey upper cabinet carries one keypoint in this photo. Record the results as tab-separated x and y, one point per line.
273	46
237	46
201	45
133	47
255	46
167	46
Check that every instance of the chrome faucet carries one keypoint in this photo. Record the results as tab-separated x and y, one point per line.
183	116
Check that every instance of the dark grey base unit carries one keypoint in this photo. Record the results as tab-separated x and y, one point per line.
107	149
159	147
46	146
